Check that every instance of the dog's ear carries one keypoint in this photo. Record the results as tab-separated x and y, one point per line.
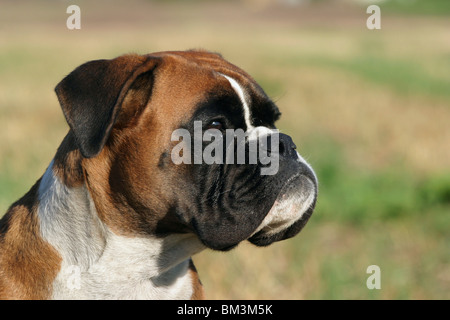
91	97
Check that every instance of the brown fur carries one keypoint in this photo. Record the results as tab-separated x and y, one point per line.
124	178
28	264
129	192
199	292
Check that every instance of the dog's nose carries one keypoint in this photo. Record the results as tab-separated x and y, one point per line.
287	146
269	142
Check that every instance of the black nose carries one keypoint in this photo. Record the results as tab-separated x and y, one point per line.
286	147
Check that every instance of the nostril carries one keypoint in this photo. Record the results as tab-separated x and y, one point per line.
287	146
282	148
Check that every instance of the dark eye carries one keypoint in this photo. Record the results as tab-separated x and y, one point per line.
215	124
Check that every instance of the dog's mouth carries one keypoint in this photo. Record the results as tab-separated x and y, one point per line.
289	213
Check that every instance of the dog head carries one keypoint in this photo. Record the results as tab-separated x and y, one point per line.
123	115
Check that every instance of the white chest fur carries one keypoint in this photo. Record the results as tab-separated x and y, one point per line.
98	264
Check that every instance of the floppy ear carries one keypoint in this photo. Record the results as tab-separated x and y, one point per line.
91	97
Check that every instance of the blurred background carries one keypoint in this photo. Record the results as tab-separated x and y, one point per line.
369	109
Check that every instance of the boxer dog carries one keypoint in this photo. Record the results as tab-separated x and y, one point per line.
113	217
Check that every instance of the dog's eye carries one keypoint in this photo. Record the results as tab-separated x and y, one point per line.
215	124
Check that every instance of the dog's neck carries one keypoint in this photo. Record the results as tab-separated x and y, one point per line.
99	264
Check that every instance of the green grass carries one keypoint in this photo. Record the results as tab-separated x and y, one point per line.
402	75
417	7
405	76
363	197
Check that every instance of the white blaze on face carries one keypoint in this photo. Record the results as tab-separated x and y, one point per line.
256	136
235	85
289	207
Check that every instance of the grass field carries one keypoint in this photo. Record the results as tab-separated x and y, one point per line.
369	109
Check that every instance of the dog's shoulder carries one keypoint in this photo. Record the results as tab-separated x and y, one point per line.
27	263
